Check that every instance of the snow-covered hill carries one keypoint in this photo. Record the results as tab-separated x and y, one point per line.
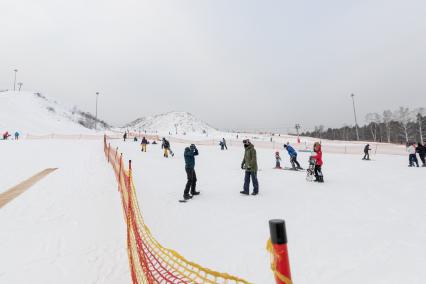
180	122
35	114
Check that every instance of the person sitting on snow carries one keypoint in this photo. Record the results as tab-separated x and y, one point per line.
293	157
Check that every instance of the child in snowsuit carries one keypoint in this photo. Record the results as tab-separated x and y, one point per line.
366	152
293	157
412	158
317	156
421	150
277	160
16	135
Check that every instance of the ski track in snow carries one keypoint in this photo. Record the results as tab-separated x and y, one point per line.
68	228
365	224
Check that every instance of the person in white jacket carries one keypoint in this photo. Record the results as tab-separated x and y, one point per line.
412	157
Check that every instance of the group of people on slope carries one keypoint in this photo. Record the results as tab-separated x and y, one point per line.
250	167
413	149
6	135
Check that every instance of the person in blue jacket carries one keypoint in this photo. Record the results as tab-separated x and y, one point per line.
293	157
189	155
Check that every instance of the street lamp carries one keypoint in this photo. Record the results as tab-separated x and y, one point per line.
356	123
96	112
14	82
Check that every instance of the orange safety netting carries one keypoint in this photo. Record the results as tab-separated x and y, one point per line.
149	261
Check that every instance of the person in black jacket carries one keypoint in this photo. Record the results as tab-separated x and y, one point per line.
189	155
367	152
421	150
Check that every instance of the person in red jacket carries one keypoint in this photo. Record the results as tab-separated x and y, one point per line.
317	156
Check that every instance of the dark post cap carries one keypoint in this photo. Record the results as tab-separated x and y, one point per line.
278	231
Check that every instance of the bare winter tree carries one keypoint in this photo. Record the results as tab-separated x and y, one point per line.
420	113
404	117
373	120
387	119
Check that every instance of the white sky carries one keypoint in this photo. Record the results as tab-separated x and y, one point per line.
233	63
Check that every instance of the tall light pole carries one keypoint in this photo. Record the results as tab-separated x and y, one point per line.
96	112
14	82
356	122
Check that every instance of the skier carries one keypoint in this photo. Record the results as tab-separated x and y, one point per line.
367	150
224	144
189	155
124	136
16	135
277	160
421	150
317	156
249	164
144	142
293	157
412	157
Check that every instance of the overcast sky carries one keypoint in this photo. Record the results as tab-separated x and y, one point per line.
235	64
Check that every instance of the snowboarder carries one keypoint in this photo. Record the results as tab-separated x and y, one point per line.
317	157
124	136
135	139
367	150
412	157
6	135
249	164
16	135
293	157
224	144
277	160
421	150
144	142
166	146
189	155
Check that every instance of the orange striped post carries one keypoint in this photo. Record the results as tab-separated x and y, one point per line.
280	261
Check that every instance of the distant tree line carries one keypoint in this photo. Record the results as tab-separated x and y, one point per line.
400	126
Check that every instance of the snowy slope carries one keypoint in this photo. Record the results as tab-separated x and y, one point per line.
183	122
35	114
365	224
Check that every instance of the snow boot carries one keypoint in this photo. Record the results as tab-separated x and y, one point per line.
195	193
254	193
187	196
244	192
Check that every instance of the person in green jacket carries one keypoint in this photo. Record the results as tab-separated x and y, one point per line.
249	164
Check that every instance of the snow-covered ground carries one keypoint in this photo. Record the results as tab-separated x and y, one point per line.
67	228
365	224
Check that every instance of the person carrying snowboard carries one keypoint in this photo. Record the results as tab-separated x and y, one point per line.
293	157
317	157
421	150
249	164
367	150
189	155
224	144
277	160
144	142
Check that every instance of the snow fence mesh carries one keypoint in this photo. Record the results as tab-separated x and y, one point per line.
149	261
